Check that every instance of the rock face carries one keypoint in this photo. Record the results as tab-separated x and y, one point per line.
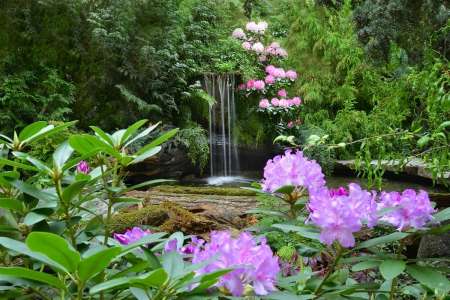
436	246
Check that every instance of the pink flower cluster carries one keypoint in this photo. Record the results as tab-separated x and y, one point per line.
279	73
290	124
283	103
414	209
275	49
292	169
340	214
243	251
259	28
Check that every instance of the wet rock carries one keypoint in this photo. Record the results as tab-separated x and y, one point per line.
436	246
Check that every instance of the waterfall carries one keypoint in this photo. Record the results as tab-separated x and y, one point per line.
224	159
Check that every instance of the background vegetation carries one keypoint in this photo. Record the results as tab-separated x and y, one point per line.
366	67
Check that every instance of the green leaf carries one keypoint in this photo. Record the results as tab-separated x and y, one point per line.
97	262
73	190
285	295
392	268
287	190
21	166
146	154
33	217
305	250
136	268
9	229
370	264
55	247
10	174
428	276
442	126
108	149
48	131
113	283
132	129
11	203
154	237
31	130
106	137
31	190
34	275
173	263
22	248
154	278
142	134
382	240
423	140
269	212
305	232
62	154
80	144
85	156
158	141
151	258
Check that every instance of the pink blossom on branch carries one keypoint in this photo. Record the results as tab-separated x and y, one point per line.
275	102
264	103
282	93
291	74
259	84
246	45
270	79
262	58
270	69
238	33
279	72
258	47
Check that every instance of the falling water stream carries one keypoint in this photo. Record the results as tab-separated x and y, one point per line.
224	159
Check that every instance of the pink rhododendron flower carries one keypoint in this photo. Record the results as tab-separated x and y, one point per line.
246	45
281	52
291	74
241	86
298	121
264	103
131	236
250	83
296	101
172	245
243	251
257	28
270	79
270	69
262	58
259	85
283	103
282	93
83	167
275	102
258	47
340	214
289	124
415	211
292	169
279	72
238	33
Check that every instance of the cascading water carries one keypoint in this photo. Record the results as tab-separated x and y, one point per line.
224	159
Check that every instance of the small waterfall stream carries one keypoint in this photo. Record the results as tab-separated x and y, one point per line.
224	159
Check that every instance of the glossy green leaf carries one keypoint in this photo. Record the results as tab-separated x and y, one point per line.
423	140
151	258
22	248
48	131
369	264
142	134
31	190
112	283
34	275
136	268
382	240
284	295
39	164
11	203
9	230
442	126
62	153
97	262
273	213
262	228
132	129
428	276
10	174
305	250
55	247
154	237
85	156
173	263
287	189
105	136
80	144
146	154
33	217
392	268
154	278
73	190
158	141
31	130
124	161
20	166
303	231
107	148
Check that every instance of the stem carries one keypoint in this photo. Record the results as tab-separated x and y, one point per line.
330	271
67	212
399	257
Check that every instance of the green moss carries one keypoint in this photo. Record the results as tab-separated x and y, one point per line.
153	215
225	191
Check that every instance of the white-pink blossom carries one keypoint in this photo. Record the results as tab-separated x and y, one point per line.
238	33
258	47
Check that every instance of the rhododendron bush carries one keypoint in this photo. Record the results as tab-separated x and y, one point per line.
269	86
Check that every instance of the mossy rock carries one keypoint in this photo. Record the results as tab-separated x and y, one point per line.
152	215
